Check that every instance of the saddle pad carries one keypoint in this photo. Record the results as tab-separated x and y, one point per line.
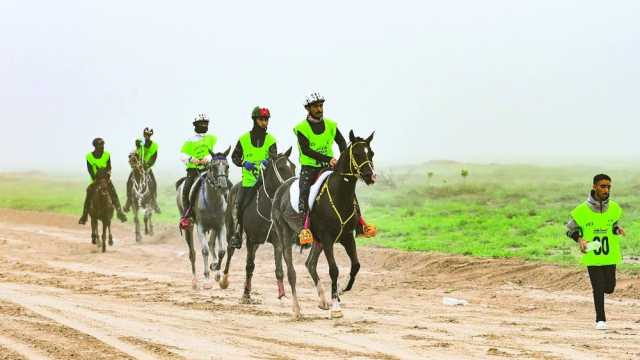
294	191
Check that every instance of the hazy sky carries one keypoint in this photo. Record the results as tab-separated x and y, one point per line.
464	80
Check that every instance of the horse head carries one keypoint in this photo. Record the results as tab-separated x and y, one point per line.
136	163
357	159
102	180
278	170
218	170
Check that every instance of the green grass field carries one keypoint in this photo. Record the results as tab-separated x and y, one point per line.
496	211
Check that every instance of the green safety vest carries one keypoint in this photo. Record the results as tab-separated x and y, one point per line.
199	149
322	143
599	227
254	155
146	154
100	163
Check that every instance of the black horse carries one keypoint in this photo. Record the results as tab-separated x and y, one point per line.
257	220
333	219
101	209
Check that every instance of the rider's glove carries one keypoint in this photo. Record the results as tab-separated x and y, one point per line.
249	166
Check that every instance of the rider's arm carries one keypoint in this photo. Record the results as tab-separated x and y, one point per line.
573	230
339	139
236	156
304	147
90	170
151	161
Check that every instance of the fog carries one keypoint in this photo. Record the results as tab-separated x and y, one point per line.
482	81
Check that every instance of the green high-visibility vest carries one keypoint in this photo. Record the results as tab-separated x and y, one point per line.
322	143
147	153
199	149
599	227
100	163
254	155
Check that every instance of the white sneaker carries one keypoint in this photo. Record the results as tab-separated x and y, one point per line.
601	325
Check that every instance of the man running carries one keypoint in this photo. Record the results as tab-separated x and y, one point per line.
594	226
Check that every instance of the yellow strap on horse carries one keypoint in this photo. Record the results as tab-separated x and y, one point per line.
325	189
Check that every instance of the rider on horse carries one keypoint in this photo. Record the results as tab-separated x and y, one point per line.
251	153
148	154
316	135
99	159
195	155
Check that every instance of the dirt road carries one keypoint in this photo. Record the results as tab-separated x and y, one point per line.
60	299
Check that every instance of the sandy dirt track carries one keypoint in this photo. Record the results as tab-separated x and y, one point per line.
60	299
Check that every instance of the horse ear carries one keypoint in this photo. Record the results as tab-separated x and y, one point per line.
368	140
227	151
288	152
351	136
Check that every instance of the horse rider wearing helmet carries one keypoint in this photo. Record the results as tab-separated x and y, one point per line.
251	153
99	159
316	135
148	154
195	154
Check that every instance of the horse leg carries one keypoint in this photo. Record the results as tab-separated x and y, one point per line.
291	276
333	273
251	256
349	244
312	265
204	245
277	255
94	231
110	235
216	259
104	235
148	221
136	221
192	257
224	283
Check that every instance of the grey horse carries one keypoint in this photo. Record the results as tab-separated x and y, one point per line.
257	220
142	196
209	208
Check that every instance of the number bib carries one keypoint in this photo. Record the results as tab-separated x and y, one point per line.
599	227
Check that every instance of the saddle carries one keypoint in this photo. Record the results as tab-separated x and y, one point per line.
196	183
294	190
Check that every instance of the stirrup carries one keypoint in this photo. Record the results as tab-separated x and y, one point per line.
185	223
305	237
369	231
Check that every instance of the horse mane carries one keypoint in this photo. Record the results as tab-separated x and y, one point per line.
218	156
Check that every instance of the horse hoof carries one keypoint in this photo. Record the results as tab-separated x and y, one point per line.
207	285
296	317
225	282
323	306
336	314
217	276
246	299
110	242
194	284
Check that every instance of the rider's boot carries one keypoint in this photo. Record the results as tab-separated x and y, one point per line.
305	237
85	208
127	204
116	203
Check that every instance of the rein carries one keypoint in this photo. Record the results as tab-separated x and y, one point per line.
281	181
353	164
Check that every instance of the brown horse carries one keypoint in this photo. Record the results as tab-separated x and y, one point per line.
101	208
